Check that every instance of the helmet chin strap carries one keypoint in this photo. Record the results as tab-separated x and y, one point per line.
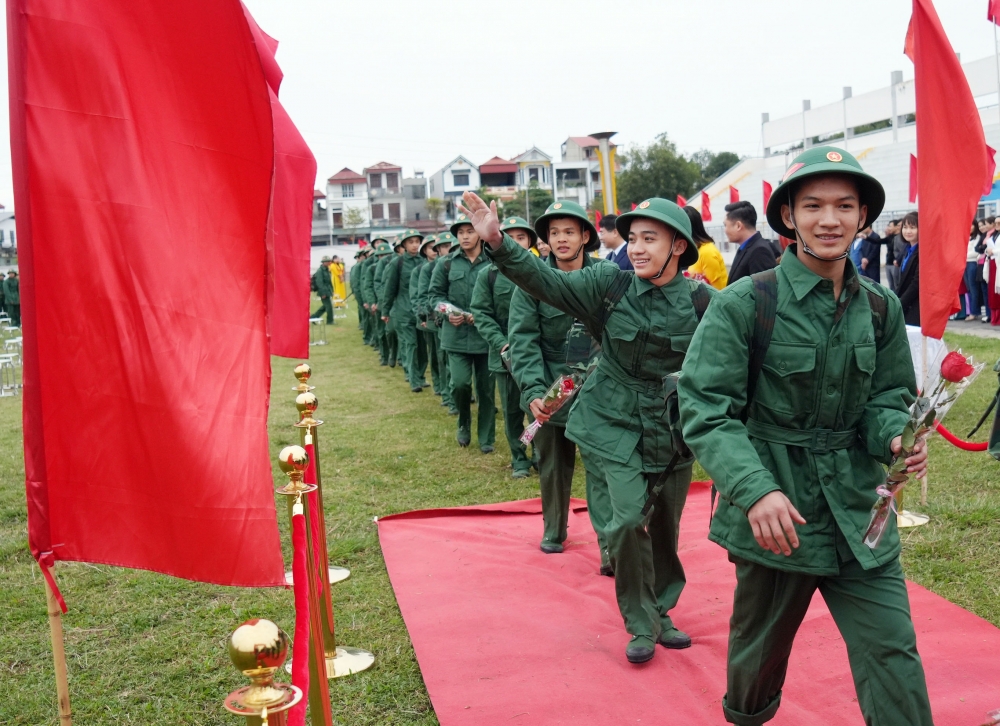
669	257
805	247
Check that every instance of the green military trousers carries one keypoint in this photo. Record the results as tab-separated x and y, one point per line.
446	397
369	329
325	307
649	576
361	314
872	611
421	357
462	367
513	422
556	462
406	335
380	339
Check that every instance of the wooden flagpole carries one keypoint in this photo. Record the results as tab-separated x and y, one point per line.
58	656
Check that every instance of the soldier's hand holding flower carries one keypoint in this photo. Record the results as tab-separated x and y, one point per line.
916	463
538	411
483	217
456	320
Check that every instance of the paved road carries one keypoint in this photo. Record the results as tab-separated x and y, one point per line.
977	328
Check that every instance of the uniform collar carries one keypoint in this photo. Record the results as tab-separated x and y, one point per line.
803	280
587	260
672	291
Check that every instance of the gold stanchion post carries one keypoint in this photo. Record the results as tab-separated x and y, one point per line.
340	660
258	648
293	461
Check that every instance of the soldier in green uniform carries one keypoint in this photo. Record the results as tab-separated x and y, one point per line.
395	306
323	282
426	341
12	298
796	388
355	286
491	309
382	251
435	322
546	343
645	322
468	355
391	339
368	321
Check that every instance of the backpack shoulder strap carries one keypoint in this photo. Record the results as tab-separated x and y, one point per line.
699	298
611	299
491	277
447	266
880	311
765	287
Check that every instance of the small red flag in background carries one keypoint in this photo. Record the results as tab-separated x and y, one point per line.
633	206
993	11
706	207
681	201
913	179
143	150
767	194
597	218
734	195
954	165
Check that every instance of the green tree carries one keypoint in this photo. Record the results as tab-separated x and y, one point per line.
435	207
538	198
657	170
713	165
354	217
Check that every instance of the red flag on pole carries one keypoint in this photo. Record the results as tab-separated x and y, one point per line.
142	153
681	201
767	193
290	222
954	165
913	179
993	11
597	218
706	207
734	195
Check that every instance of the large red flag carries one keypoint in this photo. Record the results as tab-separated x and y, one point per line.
290	222
767	194
681	201
913	179
993	11
706	207
142	150
734	194
953	165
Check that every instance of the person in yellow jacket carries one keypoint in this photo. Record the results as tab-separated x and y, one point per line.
337	273
710	267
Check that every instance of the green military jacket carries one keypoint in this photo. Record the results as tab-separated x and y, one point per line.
12	290
394	301
825	381
539	345
354	278
415	290
324	282
452	281
368	280
423	285
621	408
491	308
378	279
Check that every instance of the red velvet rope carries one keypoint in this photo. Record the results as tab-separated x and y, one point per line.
300	651
310	478
960	443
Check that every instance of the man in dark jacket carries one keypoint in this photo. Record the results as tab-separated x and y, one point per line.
323	284
12	298
755	254
871	246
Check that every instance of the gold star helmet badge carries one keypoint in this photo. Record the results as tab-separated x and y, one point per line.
643	205
557	205
834	156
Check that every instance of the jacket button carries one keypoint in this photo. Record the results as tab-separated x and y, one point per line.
831	390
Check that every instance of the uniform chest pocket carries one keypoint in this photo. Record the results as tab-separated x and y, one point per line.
625	343
553	325
458	287
788	379
858	378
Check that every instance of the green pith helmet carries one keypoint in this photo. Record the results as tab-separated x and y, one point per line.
383	249
374	242
445	238
824	160
518	223
568	209
459	221
665	211
325	260
430	239
397	242
407	233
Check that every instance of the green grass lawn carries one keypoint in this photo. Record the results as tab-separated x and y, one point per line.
149	649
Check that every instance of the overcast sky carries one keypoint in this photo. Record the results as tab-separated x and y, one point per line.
418	82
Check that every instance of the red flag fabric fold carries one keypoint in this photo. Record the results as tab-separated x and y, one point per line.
953	166
993	11
706	207
734	195
913	179
142	148
681	201
767	189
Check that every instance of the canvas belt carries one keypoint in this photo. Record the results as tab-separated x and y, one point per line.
639	385
818	441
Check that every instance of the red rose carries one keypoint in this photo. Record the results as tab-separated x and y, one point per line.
568	385
955	367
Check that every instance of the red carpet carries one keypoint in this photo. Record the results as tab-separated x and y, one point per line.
507	635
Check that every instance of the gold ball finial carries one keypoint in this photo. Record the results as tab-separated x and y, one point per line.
306	404
293	461
258	644
302	372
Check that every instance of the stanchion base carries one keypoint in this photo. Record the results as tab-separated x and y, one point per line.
906	519
347	662
336	574
235	701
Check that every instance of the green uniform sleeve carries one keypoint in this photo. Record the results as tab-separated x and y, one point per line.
527	363
390	286
894	386
368	283
414	290
422	284
712	395
579	293
437	288
324	282
485	313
